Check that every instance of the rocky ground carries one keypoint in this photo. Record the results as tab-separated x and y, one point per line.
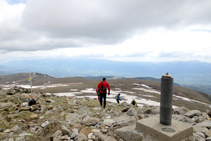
72	119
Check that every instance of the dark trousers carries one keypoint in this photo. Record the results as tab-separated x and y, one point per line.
117	101
103	96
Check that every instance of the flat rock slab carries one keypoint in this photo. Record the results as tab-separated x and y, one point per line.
175	132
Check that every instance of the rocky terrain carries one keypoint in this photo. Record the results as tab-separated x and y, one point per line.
83	119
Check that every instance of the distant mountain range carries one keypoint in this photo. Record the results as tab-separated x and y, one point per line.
190	72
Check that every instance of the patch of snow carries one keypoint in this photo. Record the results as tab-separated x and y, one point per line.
39	86
64	94
137	84
143	85
201	103
128	92
74	90
127	98
184	98
147	90
89	90
148	95
77	83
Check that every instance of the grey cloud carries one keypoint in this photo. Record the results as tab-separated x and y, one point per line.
110	19
71	23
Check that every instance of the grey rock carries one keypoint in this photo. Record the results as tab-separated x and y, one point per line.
103	137
180	110
51	128
200	134
92	121
193	113
205	115
129	133
124	120
155	110
208	139
12	116
24	109
11	139
57	133
50	101
65	138
57	138
208	133
108	122
20	139
80	137
24	104
43	108
209	112
74	133
200	129
73	118
104	131
90	135
2	129
16	128
25	134
132	112
45	123
196	119
65	131
4	105
206	123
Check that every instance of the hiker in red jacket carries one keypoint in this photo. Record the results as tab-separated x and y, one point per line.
102	88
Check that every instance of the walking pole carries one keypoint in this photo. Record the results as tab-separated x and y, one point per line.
30	80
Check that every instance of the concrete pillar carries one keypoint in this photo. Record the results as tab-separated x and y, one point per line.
166	99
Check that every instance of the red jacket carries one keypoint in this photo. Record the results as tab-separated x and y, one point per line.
105	86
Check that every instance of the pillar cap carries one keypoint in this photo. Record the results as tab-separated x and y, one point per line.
167	75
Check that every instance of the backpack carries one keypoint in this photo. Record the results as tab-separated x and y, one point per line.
98	92
116	96
32	102
102	88
133	102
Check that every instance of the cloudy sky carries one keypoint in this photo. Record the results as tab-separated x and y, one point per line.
123	30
